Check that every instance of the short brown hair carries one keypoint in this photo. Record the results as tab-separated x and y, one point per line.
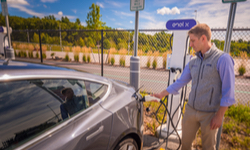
201	29
63	91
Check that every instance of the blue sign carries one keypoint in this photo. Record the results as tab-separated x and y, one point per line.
184	24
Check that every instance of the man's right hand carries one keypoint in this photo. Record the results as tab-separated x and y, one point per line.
161	95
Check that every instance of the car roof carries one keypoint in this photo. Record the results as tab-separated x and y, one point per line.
11	65
22	70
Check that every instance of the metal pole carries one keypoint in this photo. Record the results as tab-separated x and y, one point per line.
230	25
102	54
40	41
136	32
28	36
134	60
227	44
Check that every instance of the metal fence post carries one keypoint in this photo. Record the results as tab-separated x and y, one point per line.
102	54
28	36
40	41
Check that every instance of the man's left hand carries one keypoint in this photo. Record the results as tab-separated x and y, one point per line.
217	119
216	122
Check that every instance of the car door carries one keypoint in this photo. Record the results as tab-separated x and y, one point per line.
31	116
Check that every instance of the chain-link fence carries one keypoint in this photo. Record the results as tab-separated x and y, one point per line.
117	46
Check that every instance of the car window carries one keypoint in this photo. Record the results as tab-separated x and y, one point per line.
95	91
30	107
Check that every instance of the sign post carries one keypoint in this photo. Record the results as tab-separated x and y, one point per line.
227	44
135	5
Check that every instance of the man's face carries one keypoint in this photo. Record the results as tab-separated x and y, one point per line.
69	93
195	42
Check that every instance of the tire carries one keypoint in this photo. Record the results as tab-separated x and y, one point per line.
127	144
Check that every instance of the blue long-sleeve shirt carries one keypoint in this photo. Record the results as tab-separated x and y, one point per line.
225	67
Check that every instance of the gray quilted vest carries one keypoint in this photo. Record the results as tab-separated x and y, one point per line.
206	89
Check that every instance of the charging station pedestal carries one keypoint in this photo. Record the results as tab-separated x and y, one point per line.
180	30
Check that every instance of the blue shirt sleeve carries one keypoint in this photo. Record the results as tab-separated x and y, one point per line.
225	67
179	83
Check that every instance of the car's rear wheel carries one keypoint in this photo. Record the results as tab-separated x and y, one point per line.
127	144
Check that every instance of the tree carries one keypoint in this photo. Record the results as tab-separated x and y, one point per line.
35	38
106	44
81	42
94	20
78	22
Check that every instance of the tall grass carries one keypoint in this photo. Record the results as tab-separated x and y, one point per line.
149	54
155	57
122	53
244	59
111	58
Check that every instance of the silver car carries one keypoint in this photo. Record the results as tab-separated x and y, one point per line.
48	108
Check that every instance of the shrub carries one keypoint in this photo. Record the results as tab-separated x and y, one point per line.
84	58
52	55
67	57
155	54
44	55
242	70
30	54
37	55
149	54
76	57
154	64
239	112
122	62
164	57
112	61
122	53
88	59
24	54
148	64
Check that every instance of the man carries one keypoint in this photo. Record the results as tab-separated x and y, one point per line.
72	103
212	75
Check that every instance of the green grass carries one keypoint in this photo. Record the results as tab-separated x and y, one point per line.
240	113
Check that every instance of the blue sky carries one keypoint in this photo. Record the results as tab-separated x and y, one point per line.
117	14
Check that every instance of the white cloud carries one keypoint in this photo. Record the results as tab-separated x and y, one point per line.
119	29
84	23
60	16
100	4
153	25
44	6
166	10
116	4
112	19
125	14
147	16
74	10
130	21
119	24
28	11
215	13
49	1
18	2
60	13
